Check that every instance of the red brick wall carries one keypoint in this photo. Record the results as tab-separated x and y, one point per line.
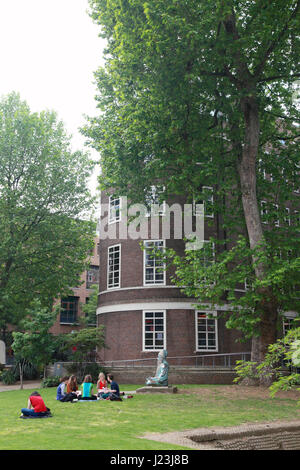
125	341
81	292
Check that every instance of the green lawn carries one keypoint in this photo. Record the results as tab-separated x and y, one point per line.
105	425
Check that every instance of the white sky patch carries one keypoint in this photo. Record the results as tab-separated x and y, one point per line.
49	52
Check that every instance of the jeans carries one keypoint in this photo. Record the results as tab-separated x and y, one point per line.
28	412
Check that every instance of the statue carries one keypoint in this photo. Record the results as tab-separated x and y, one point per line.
162	370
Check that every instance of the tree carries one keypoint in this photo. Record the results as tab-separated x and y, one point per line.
89	308
46	231
281	364
35	343
84	342
197	93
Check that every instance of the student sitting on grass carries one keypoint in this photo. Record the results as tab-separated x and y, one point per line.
72	389
35	407
101	384
87	389
63	393
114	387
60	393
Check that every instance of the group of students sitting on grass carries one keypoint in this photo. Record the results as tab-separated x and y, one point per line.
68	389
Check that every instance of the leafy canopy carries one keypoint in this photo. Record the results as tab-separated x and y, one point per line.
45	206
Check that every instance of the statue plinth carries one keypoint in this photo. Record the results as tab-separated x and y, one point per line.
157	389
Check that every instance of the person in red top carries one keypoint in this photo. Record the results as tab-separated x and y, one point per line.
101	384
35	407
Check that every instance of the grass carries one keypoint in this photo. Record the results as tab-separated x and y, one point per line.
105	425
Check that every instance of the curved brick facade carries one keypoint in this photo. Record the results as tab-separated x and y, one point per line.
132	311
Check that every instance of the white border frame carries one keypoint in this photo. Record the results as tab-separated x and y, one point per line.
164	330
207	312
144	266
115	220
107	267
194	204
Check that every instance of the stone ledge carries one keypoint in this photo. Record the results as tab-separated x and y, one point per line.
157	389
282	435
244	431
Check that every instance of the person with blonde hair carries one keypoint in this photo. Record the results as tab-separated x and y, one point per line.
87	389
101	384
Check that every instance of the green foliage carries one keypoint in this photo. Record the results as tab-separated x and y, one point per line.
50	382
84	342
245	370
222	279
35	344
29	370
8	377
192	94
282	356
46	232
89	309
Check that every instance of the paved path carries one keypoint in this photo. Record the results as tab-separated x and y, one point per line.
26	385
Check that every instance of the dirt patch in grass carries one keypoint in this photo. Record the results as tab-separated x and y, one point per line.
239	392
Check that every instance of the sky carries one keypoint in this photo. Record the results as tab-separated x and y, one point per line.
49	52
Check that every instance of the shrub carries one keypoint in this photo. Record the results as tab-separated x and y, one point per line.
30	372
50	382
8	377
246	371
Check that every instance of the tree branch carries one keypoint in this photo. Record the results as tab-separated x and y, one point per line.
278	77
275	42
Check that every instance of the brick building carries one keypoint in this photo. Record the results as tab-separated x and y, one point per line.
140	307
71	305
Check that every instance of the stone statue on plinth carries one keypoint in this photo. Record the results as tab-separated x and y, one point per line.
162	371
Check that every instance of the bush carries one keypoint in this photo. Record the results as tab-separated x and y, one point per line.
50	382
246	372
8	377
30	372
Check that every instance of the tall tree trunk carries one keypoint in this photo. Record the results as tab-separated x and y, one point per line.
247	172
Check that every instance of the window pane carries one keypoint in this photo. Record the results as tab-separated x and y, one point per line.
206	332
154	330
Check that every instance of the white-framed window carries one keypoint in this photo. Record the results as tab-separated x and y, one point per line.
297	189
263	211
207	258
261	168
288	322
154	267
209	253
206	331
114	209
287	218
153	202
114	267
206	197
154	330
247	284
276	223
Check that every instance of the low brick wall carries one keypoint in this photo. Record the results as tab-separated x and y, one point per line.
177	374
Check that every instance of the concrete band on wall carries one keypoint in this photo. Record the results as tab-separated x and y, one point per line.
161	305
